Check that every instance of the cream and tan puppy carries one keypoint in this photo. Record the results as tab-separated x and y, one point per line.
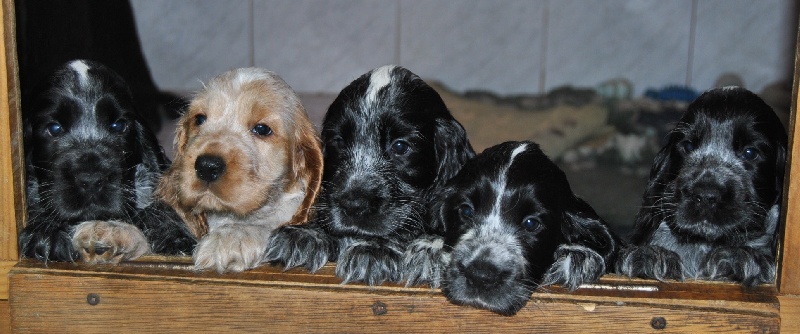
247	161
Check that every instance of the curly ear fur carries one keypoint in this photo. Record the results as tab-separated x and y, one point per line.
307	164
452	149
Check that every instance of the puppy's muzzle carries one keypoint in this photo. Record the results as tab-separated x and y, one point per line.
482	275
209	168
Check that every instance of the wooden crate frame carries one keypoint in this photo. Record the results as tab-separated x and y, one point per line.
159	294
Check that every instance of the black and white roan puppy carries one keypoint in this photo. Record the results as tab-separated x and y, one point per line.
91	169
711	207
388	138
507	224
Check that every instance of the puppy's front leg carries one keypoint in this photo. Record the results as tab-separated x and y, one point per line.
574	265
372	261
112	241
232	247
740	264
424	261
301	245
47	241
650	261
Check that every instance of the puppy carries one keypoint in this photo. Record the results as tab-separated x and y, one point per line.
247	160
712	203
388	139
507	223
91	168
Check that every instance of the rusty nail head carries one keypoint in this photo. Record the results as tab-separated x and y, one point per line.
93	299
658	323
379	308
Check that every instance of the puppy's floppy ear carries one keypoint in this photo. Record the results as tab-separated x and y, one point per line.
584	227
307	164
169	188
437	217
452	149
661	173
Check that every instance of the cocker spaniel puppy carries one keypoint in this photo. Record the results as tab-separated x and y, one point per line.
388	139
711	207
248	160
91	168
506	224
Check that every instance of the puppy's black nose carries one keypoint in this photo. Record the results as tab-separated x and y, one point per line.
358	203
482	274
89	181
209	167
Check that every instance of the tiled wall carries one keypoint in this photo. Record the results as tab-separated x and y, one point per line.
508	46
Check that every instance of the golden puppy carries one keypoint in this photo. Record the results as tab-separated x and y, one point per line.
247	161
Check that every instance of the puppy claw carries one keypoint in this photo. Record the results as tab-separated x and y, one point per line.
424	261
369	262
295	246
650	262
112	241
574	265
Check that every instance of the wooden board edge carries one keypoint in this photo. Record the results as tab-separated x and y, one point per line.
43	303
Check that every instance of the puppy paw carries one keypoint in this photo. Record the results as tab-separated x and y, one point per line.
231	249
369	262
295	246
424	261
574	265
738	265
47	243
111	241
650	262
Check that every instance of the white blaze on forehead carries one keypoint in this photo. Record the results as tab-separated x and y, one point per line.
82	69
379	78
495	218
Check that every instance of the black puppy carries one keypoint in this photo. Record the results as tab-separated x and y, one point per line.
91	168
387	139
711	207
508	223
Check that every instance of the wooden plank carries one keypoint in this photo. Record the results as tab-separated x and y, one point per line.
790	313
5	267
48	300
12	209
5	316
789	257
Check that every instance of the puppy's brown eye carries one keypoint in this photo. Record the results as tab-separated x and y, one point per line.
199	119
262	130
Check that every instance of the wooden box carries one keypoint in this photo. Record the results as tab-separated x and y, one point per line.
159	294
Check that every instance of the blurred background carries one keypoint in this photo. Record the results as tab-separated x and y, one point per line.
597	83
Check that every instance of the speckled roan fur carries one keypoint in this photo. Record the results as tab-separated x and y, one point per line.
712	204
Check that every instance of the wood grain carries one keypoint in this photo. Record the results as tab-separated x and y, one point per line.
149	299
5	317
789	256
11	174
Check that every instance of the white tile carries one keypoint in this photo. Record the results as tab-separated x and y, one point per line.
646	42
186	41
752	38
493	45
320	46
